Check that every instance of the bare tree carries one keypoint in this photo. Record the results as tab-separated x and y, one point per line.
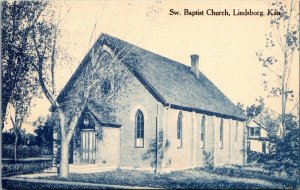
98	57
283	37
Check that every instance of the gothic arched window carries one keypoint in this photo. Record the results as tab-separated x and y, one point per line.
236	132
179	130
139	129
221	133
202	134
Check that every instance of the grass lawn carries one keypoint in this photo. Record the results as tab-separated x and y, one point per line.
192	178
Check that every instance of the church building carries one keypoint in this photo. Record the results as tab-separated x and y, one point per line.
148	112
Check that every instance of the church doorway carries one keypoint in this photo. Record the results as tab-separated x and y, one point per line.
88	146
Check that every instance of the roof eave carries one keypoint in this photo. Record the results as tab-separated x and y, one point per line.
159	98
174	106
114	125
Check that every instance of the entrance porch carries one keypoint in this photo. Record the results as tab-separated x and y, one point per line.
95	145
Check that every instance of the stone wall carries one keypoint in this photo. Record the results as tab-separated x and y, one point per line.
179	158
238	151
192	154
133	97
108	148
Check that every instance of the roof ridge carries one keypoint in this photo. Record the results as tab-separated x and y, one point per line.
190	90
214	90
177	62
174	61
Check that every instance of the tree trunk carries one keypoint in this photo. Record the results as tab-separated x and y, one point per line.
4	108
64	160
284	94
15	148
283	105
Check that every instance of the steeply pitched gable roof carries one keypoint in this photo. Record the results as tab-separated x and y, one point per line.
173	83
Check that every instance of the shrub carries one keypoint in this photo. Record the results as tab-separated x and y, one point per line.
283	159
9	167
257	157
208	159
25	151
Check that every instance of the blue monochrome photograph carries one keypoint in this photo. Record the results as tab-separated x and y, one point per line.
150	94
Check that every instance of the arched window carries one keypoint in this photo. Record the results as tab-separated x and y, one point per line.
179	130
139	129
221	134
202	134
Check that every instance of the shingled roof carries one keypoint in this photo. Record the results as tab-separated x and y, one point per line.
174	84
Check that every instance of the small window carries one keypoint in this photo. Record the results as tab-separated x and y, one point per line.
254	132
251	132
139	129
257	132
248	145
202	134
264	147
221	134
179	130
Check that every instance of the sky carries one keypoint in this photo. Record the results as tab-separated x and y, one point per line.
226	45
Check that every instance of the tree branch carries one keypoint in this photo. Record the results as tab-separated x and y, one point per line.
13	122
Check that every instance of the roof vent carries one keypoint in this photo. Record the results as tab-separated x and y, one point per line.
195	64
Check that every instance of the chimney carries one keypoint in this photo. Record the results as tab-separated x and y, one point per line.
195	64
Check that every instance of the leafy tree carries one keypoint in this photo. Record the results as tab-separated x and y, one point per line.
17	122
18	20
7	137
284	154
29	35
291	122
20	101
271	121
44	131
283	37
255	109
240	106
30	42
